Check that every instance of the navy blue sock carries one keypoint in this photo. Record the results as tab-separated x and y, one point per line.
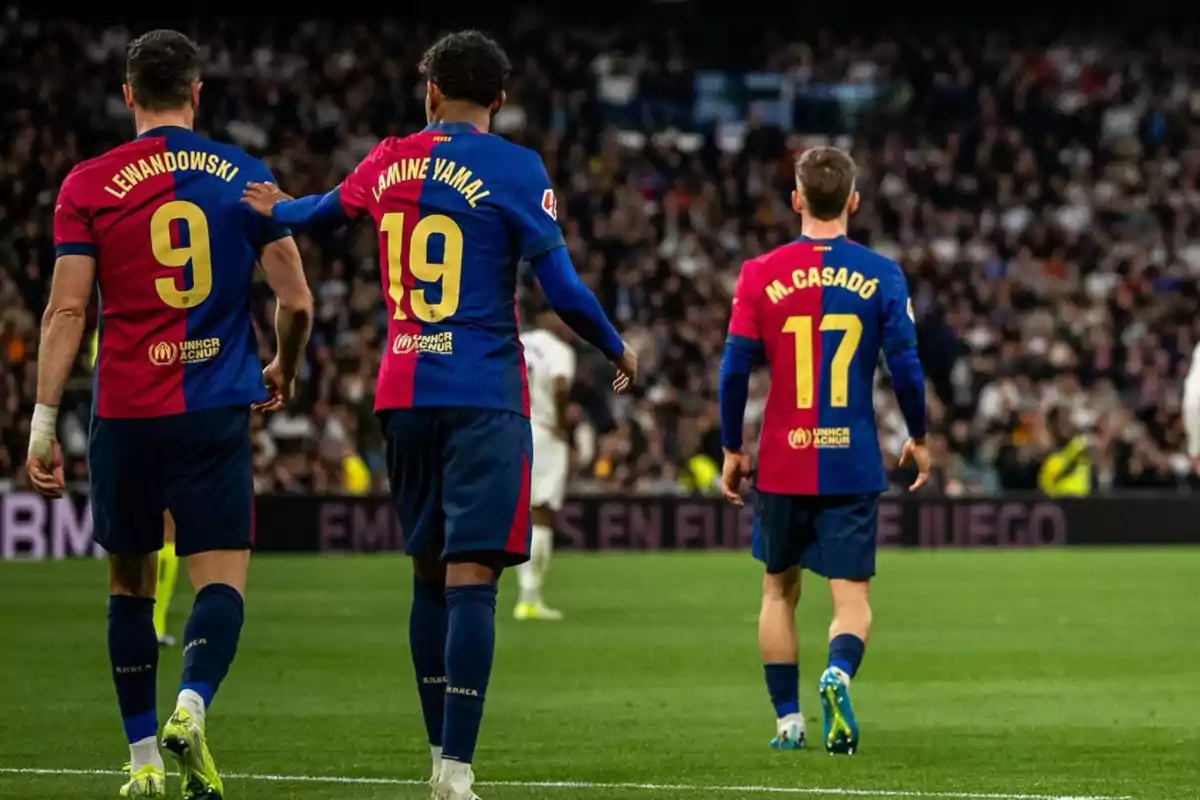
846	652
427	641
783	684
133	652
470	643
210	639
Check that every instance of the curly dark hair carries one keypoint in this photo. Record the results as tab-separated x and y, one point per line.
467	65
161	67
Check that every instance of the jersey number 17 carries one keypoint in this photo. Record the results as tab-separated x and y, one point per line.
801	329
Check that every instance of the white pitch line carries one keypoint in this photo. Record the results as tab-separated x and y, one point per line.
643	787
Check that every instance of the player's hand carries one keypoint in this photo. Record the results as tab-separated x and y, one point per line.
917	454
733	473
45	466
262	197
627	366
282	388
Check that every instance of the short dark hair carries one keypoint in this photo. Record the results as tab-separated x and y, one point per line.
467	65
826	177
161	67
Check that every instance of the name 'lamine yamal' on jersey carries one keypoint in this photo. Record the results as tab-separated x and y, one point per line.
456	211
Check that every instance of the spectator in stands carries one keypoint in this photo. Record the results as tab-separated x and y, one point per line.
1040	194
1067	470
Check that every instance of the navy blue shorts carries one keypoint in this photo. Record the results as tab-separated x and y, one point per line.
460	482
196	465
831	535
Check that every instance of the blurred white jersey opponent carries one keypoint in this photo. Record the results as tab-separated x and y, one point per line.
1191	408
550	362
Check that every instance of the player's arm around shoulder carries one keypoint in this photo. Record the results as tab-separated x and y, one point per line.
336	207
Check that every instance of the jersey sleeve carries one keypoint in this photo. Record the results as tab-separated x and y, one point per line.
900	350
531	208
743	350
72	223
899	323
355	189
268	230
743	320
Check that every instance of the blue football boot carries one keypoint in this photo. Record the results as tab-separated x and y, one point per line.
789	733
841	730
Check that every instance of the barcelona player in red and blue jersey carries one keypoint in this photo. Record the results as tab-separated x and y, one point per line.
457	210
818	312
158	226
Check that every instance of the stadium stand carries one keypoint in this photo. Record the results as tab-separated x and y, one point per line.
1041	195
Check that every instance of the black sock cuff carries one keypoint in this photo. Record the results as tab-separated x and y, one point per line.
479	589
848	640
224	591
482	592
133	606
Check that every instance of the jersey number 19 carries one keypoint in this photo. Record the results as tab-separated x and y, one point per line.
416	258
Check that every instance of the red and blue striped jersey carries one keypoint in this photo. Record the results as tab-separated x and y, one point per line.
456	211
822	310
175	252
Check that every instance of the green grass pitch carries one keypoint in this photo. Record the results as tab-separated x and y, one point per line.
1051	673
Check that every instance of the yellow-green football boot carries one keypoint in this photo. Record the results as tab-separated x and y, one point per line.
146	781
183	737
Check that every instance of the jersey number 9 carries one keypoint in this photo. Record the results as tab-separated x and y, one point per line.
414	254
801	329
197	252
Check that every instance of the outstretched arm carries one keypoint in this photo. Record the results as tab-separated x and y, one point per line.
334	208
303	212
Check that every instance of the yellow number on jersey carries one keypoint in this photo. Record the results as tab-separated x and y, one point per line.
839	378
198	252
448	270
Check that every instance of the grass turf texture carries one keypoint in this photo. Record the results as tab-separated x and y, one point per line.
1046	672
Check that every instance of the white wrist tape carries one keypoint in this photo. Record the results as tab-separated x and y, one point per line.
44	424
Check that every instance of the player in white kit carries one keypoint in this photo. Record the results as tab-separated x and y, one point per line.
1191	408
550	362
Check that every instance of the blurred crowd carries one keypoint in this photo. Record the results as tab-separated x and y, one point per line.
1040	191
